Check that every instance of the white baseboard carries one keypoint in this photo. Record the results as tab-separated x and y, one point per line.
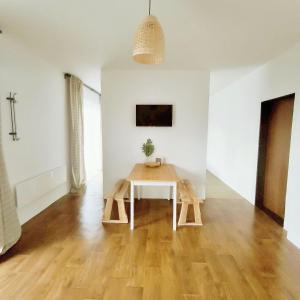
224	180
294	238
27	212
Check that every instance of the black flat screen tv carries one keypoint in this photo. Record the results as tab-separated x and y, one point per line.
154	115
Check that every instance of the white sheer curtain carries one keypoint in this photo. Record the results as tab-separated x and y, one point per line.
92	135
10	229
75	99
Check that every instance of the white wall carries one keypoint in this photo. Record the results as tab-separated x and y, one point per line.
219	79
183	145
41	118
234	119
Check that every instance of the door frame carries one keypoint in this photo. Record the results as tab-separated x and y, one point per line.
262	146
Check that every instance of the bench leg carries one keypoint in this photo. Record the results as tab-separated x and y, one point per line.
183	213
108	209
122	212
197	213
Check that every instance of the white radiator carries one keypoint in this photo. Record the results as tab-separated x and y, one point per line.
34	188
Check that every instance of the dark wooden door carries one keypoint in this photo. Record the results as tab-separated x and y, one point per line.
276	125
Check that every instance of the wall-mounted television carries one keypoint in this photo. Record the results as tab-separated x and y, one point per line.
154	115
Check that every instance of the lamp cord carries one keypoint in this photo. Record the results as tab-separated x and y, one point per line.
149	7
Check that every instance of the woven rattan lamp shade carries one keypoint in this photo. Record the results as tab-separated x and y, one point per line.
149	46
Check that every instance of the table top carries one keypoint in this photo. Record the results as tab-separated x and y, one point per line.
165	172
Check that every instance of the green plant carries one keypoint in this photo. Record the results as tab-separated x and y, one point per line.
148	148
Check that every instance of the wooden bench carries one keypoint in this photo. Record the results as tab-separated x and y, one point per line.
187	197
121	190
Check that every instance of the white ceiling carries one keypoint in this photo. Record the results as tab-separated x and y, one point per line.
84	36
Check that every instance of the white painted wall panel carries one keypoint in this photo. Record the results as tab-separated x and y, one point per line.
34	188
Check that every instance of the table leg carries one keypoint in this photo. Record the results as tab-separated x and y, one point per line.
174	206
131	205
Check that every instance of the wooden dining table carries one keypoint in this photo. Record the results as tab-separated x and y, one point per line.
164	175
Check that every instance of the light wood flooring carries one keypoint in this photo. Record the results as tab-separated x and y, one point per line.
66	253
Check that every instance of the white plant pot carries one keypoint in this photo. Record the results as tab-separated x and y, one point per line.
148	159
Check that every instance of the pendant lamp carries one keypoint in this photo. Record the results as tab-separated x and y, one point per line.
149	46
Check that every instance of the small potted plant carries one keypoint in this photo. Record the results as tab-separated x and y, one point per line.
148	149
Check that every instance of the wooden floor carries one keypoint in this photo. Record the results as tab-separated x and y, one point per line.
66	253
